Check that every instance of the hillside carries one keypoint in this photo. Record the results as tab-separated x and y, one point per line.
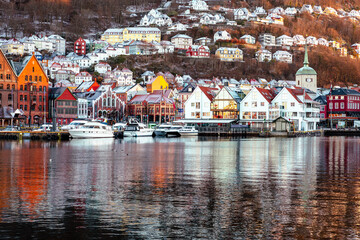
89	18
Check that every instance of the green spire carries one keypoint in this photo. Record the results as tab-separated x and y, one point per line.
306	60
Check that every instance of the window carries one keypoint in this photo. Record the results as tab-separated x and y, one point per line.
1	86
330	105
26	78
10	97
336	105
262	104
292	104
25	87
40	108
192	104
197	105
40	98
0	66
21	107
33	69
8	87
104	102
342	105
254	104
36	78
8	76
21	87
322	108
25	97
21	98
13	87
25	107
40	88
40	79
30	78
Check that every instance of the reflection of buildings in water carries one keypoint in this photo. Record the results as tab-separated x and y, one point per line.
24	176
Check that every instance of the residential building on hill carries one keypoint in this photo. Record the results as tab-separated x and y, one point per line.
119	35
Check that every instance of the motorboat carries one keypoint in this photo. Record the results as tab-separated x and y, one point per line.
161	130
135	129
92	130
188	131
74	124
173	131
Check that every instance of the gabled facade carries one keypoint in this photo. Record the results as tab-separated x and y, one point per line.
8	90
226	104
157	83
199	102
182	41
229	54
33	86
255	106
282	56
221	35
263	55
197	51
65	104
80	46
82	77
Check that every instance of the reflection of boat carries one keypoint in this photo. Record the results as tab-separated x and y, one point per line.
137	130
161	130
92	130
173	131
188	131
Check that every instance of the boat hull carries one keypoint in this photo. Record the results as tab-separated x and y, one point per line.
160	133
76	133
138	134
186	134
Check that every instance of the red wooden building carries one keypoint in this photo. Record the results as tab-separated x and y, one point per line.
154	107
65	104
80	46
343	105
198	51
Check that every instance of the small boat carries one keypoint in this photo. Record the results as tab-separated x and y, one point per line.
188	131
137	130
173	131
161	130
92	130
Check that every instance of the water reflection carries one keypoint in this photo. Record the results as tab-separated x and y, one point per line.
181	188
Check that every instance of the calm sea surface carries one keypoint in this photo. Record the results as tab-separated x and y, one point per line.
181	188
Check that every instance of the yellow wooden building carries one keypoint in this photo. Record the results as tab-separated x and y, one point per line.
157	83
119	35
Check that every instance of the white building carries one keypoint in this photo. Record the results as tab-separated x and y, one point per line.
323	42
311	41
83	77
260	11
290	11
198	105
299	40
182	41
221	35
263	55
282	56
199	5
284	40
255	106
307	8
318	10
102	67
241	14
298	107
60	43
154	17
249	39
267	39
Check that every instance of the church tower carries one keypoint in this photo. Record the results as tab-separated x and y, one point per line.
306	76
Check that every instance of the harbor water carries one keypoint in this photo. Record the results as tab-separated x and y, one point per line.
181	188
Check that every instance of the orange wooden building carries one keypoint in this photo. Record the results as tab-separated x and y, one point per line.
33	86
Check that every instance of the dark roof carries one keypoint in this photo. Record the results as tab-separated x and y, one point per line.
344	91
55	92
321	99
186	88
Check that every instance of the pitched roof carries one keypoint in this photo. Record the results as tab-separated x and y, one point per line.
209	92
344	91
269	95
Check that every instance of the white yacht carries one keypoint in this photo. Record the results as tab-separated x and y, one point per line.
161	130
92	130
138	130
173	131
188	131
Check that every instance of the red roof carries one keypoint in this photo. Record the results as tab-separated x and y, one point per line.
209	92
269	95
299	92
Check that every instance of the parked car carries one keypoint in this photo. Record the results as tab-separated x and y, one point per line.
74	124
44	128
11	129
